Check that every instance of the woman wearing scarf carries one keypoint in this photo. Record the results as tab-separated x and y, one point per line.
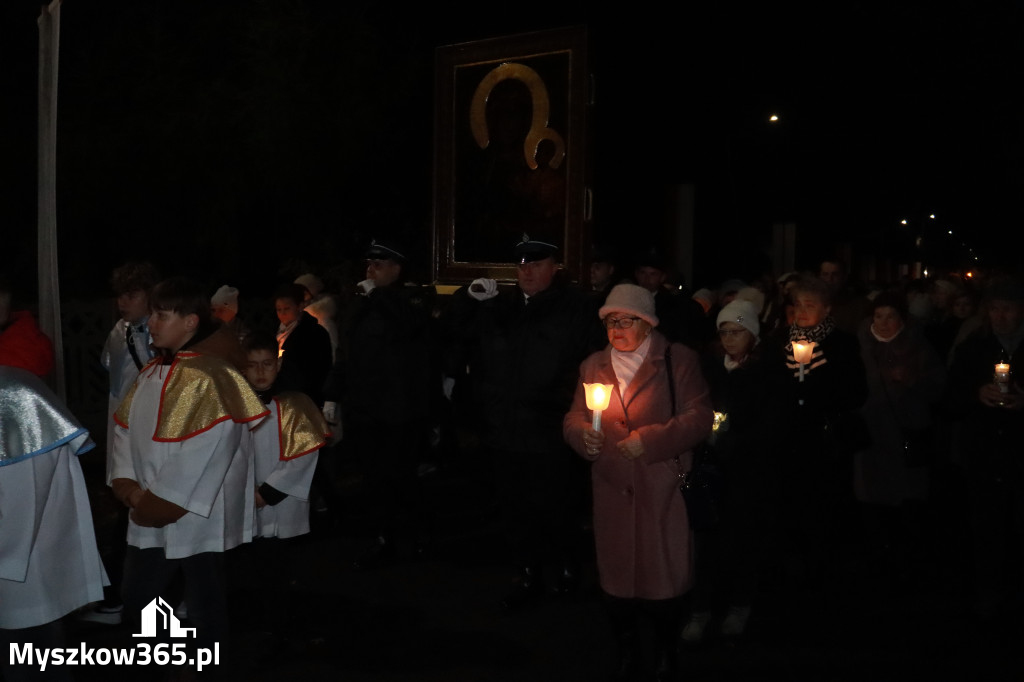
824	428
906	376
659	410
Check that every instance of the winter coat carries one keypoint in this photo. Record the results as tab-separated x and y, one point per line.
641	529
905	377
382	372
989	439
748	444
824	419
523	361
306	359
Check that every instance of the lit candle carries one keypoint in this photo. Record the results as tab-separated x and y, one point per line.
1003	377
802	353
598	396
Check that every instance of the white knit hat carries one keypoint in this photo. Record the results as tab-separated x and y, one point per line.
741	312
754	295
227	297
630	299
706	299
311	282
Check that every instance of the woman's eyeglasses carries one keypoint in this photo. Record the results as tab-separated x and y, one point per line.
620	323
730	333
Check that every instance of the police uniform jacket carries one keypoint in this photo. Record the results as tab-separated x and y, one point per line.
523	359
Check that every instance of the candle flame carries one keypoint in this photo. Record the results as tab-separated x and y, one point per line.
803	352
598	396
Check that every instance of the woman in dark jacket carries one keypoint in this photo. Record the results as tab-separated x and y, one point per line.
823	429
905	378
746	377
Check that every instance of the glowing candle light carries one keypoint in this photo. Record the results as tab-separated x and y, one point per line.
1003	377
802	353
598	396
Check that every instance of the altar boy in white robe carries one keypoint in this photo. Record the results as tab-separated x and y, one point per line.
285	446
181	464
285	450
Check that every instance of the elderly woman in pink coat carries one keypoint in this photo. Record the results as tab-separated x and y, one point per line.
647	433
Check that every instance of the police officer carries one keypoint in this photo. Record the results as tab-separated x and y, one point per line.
523	346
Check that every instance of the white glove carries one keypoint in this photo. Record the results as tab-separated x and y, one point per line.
331	412
367	285
447	385
482	289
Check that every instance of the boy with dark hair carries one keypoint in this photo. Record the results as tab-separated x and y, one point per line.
304	345
125	352
127	349
285	446
181	464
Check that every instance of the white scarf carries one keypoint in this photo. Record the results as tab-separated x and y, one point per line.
885	339
282	334
626	363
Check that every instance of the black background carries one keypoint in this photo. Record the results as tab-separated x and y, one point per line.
245	141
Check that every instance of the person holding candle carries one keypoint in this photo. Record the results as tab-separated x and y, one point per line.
659	410
990	433
746	376
823	396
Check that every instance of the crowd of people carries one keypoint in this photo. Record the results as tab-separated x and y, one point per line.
830	412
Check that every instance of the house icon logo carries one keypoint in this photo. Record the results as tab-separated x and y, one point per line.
159	615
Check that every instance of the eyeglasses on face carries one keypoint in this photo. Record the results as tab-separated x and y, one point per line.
619	322
730	333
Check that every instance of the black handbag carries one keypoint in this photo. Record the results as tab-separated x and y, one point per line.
701	485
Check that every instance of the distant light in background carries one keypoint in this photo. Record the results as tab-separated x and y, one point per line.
932	216
773	118
903	222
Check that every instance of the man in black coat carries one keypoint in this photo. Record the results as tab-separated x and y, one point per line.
381	383
523	347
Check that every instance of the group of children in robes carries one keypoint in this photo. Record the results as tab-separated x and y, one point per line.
206	458
204	455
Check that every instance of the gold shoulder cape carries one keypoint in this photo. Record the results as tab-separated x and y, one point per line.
199	392
302	428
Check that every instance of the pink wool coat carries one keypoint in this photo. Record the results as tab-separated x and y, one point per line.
642	533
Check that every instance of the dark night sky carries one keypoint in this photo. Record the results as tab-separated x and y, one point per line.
229	137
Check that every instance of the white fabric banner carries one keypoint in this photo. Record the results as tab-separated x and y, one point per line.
49	285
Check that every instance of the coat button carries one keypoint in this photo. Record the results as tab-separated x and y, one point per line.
620	422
